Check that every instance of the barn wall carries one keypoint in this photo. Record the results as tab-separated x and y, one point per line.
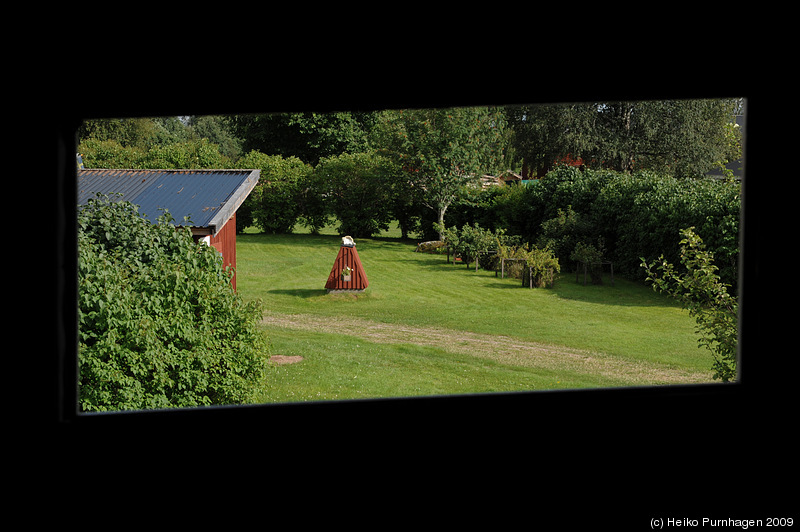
225	242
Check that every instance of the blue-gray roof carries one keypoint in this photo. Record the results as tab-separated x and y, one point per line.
208	197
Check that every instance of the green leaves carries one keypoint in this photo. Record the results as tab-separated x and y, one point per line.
159	324
469	240
707	299
188	154
637	215
444	150
358	189
682	138
275	203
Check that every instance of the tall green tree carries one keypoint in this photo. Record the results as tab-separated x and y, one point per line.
218	130
357	190
682	138
538	134
308	136
141	133
443	151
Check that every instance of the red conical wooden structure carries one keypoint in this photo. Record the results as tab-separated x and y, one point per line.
347	261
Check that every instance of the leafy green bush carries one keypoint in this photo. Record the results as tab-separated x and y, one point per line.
159	324
539	263
708	299
543	266
469	240
274	205
591	257
667	206
188	154
109	154
563	232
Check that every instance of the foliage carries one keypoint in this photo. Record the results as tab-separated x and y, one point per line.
217	129
591	257
188	154
443	150
275	202
159	323
563	232
680	138
141	133
538	134
637	215
711	206
708	300
541	263
357	190
109	154
587	253
308	136
543	266
481	206
469	240
514	268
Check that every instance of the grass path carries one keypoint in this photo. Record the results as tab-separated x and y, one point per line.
498	348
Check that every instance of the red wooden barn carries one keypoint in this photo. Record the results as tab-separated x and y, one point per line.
347	274
209	198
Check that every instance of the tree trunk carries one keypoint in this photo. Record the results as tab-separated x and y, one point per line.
441	210
626	159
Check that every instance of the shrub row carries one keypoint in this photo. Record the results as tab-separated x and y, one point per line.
632	215
359	190
536	266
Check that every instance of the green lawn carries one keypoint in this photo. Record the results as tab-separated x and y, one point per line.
425	327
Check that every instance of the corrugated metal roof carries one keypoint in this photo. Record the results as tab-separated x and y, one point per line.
208	197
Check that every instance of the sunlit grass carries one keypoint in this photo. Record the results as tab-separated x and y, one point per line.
626	324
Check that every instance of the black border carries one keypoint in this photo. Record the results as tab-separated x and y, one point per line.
681	447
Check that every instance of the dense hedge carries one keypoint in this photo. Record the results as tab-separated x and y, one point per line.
637	215
159	323
275	204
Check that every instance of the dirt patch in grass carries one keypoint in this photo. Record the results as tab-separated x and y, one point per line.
285	359
502	349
